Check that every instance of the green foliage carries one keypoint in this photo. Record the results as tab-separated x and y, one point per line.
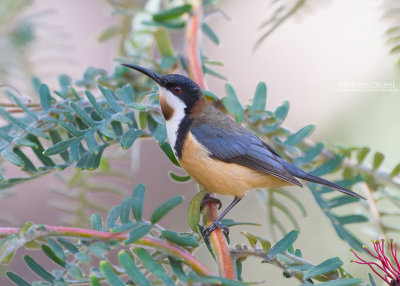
77	123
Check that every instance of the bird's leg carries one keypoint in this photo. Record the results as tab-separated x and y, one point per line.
207	199
217	222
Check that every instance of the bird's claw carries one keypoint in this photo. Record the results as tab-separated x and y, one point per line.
207	232
207	199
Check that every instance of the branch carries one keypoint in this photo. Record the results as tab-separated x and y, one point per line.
42	231
260	253
218	239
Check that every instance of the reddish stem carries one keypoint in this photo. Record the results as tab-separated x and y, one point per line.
218	240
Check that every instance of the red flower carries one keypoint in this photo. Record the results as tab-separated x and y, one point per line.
390	269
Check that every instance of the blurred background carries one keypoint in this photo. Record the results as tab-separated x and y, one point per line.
323	60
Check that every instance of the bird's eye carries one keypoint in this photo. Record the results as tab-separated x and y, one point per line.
177	89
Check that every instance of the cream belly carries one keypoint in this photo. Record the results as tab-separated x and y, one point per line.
220	177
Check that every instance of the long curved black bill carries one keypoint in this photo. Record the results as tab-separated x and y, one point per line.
154	76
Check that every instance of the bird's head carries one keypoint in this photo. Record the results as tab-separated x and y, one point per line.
177	92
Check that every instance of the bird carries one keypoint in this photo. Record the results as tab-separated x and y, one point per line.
219	154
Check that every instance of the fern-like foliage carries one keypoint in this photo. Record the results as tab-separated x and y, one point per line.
167	258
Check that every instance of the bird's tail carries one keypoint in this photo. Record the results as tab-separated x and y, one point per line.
297	172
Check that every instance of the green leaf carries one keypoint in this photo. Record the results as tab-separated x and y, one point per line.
178	178
138	232
126	93
194	211
59	147
160	134
232	104
214	280
164	42
209	95
125	210
112	217
110	98
96	222
266	245
395	171
74	271
83	115
99	109
342	282
378	159
45	98
300	135
103	128
22	106
110	275
210	33
56	138
164	208
362	154
38	269
230	222
56	248
328	166
166	148
74	150
28	165
371	279
282	111
137	201
50	253
172	13
109	33
131	269
17	279
342	200
94	281
352	219
155	268
90	161
180	238
209	71
130	137
260	97
11	157
310	154
39	152
8	258
177	268
125	227
323	268
19	123
283	244
72	130
68	245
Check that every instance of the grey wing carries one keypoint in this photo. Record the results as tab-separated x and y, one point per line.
240	146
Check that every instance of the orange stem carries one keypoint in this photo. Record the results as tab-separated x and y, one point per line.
218	240
193	47
158	244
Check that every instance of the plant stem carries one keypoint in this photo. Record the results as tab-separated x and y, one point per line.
218	240
42	231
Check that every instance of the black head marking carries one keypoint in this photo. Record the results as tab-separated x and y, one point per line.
184	88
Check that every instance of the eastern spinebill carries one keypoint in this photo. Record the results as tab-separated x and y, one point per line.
219	154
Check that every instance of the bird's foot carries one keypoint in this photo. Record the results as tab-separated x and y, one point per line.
215	224
207	199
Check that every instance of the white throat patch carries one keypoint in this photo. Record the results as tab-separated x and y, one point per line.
178	115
